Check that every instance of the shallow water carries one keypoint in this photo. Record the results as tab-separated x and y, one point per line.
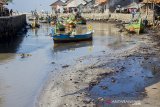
26	63
132	75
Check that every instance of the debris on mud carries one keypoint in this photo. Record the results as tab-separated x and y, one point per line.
65	66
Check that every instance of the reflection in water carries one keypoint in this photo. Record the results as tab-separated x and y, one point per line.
71	46
108	35
6	56
12	46
121	42
7	50
35	31
103	29
21	78
44	30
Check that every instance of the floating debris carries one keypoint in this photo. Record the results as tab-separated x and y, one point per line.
76	82
52	62
104	87
87	100
101	99
113	80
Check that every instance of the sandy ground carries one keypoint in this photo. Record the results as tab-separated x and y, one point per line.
69	87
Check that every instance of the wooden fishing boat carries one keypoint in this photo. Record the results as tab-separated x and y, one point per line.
64	38
136	27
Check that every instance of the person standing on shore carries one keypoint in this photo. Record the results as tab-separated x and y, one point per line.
11	12
133	13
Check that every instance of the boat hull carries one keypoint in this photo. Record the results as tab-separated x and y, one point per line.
64	38
136	27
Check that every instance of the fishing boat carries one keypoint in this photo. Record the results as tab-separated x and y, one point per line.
64	38
136	27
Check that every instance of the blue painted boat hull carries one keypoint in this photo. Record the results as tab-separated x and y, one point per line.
64	38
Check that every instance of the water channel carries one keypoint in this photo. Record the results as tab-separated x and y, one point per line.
26	63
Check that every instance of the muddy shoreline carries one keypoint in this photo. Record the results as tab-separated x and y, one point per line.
72	85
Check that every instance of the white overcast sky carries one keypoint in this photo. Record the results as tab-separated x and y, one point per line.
28	5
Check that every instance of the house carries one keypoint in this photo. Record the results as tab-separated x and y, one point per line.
89	6
111	5
58	7
151	1
101	5
132	7
81	8
2	3
74	5
150	5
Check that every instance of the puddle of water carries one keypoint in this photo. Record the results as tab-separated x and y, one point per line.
129	83
21	77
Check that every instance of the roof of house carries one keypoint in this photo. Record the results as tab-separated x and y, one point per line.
101	1
134	5
76	3
58	2
151	1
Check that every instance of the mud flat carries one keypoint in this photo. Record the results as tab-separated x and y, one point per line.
130	74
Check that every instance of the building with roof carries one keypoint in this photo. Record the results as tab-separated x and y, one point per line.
58	6
151	1
2	3
74	5
111	5
150	5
